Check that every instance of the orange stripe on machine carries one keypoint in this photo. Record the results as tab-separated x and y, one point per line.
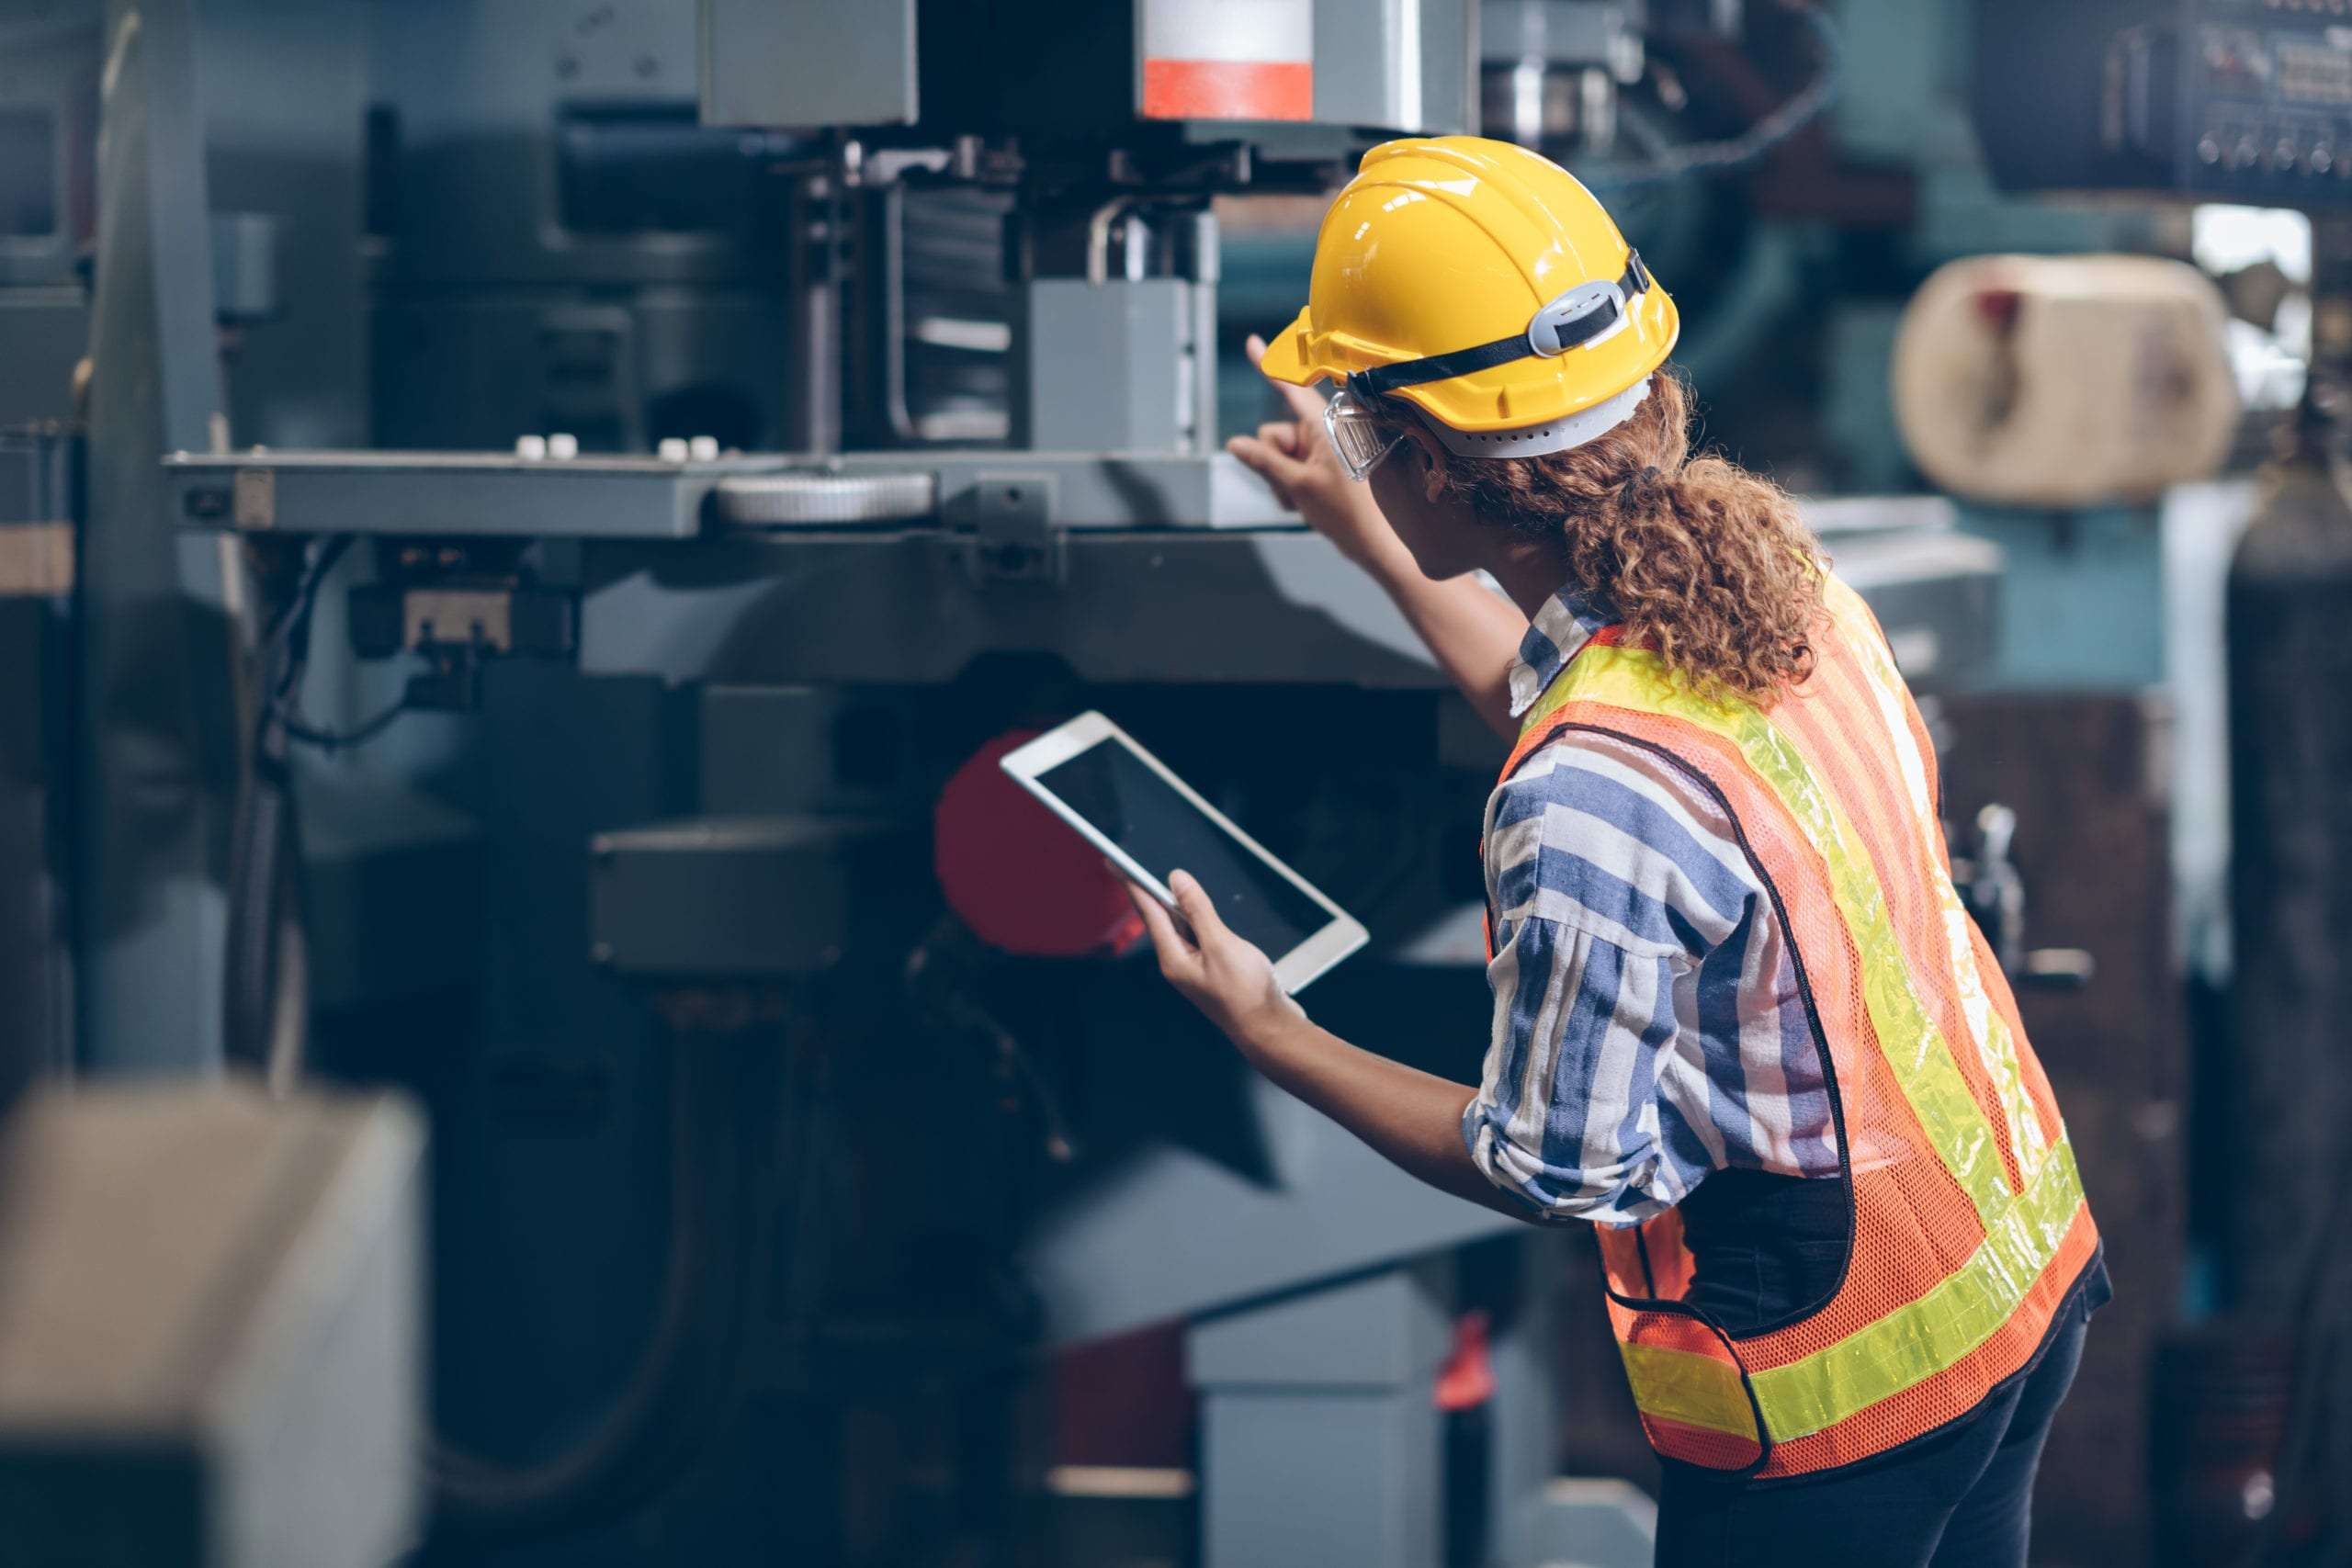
1228	59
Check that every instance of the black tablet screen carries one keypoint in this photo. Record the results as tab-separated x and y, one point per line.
1135	809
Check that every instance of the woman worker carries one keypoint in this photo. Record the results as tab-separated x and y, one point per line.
1741	1021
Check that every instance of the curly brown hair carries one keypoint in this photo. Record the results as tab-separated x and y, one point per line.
1700	559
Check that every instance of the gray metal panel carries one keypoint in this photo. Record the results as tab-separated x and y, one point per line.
401	492
496	493
727	896
1387	1330
909	608
463	371
151	915
51	60
1290	1480
1319	1441
779	750
1937	596
1410	66
442	493
479	91
1524	1415
393	889
1174	1234
1365	1354
807	62
45	331
791	605
283	90
1595	1521
1108	489
1104	364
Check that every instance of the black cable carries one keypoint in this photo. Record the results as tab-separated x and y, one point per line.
675	1395
339	740
265	846
722	1240
1711	158
287	657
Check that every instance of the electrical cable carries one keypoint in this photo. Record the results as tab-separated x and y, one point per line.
340	741
286	658
1714	157
682	1388
265	850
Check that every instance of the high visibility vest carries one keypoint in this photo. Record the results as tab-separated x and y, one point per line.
1969	1227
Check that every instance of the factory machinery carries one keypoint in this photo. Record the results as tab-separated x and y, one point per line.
711	431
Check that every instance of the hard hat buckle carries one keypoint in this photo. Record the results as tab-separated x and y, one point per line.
1585	315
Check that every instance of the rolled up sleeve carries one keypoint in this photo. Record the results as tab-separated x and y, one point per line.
1566	1118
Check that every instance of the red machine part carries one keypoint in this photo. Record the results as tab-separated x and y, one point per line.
1019	876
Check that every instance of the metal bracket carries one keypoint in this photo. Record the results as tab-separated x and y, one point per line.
483	616
255	492
475	616
1015	537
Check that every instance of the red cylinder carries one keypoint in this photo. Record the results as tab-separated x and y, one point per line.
1020	876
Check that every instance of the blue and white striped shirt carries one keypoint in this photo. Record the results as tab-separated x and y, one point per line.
1648	1027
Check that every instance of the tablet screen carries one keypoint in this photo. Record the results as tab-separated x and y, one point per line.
1136	809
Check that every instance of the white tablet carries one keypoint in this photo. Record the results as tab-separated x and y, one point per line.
1149	822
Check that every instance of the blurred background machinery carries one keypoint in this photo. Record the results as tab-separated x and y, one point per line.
617	462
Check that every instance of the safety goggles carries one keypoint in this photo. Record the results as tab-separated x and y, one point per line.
1360	432
1579	318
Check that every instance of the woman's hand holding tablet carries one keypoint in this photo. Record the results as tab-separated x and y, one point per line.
1150	825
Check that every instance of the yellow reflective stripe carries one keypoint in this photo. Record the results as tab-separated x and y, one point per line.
1914	1343
1906	1346
1685	1386
2022	1233
1995	1046
1554	697
1907	1036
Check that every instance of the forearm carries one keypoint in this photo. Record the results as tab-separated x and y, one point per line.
1474	631
1411	1118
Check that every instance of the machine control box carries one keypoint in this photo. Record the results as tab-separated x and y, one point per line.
2231	100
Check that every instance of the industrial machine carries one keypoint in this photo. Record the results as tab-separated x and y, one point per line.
2238	100
709	429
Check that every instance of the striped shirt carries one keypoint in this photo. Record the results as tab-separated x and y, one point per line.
1648	1027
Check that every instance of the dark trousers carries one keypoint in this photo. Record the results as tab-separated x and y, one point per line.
1961	1499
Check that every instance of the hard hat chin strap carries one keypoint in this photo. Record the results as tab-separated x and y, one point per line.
1582	316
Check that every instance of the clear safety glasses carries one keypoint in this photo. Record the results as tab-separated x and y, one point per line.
1360	432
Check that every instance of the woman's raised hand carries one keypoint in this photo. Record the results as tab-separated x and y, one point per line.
1294	457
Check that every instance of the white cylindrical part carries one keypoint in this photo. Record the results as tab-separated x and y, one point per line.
563	445
532	447
2064	380
672	449
703	448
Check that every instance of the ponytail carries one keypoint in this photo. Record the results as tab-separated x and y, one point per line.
1703	561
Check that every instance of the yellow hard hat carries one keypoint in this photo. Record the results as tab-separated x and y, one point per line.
1481	282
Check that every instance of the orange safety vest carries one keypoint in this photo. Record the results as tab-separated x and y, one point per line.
1969	1227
